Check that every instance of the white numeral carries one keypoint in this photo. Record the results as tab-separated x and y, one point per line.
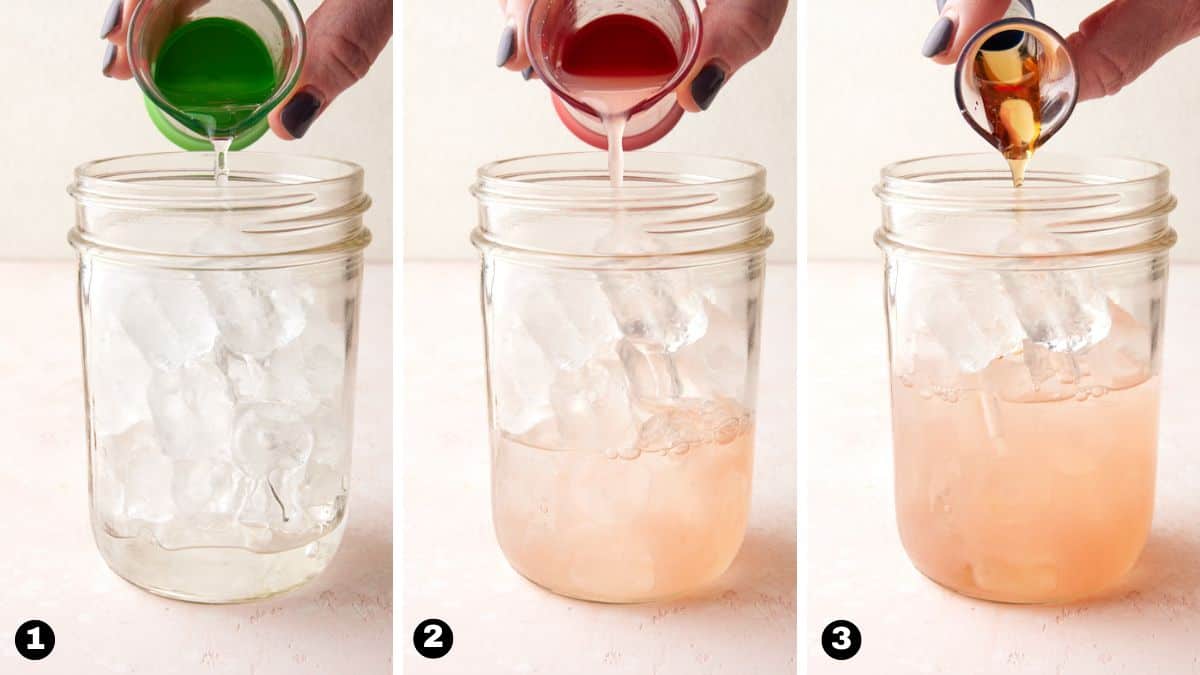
434	641
36	634
843	634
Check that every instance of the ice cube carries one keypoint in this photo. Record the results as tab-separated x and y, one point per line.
1065	310
1124	358
204	486
323	492
650	370
145	476
256	312
717	364
662	309
592	408
118	378
330	444
304	375
521	388
169	322
970	318
193	408
569	322
270	436
683	424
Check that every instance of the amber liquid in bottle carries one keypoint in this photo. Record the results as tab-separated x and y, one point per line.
1010	86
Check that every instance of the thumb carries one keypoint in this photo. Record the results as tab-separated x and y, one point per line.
1122	40
344	39
734	32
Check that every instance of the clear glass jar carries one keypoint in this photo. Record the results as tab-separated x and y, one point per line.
622	347
1025	333
219	341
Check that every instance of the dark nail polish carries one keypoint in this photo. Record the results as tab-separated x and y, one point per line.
527	73
939	37
299	113
112	18
110	55
941	5
508	46
708	82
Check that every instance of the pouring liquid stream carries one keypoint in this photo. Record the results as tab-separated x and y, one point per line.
221	160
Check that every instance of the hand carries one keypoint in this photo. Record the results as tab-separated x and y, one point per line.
1111	49
735	32
344	39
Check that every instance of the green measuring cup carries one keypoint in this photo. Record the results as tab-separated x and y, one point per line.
214	69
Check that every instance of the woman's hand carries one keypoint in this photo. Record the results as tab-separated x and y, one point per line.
344	39
1111	49
735	32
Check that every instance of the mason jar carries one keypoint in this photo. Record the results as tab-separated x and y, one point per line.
622	331
1025	333
219	342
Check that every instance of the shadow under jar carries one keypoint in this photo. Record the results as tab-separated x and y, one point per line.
219	342
1025	329
622	330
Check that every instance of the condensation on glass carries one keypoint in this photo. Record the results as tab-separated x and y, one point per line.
1025	333
219	341
622	334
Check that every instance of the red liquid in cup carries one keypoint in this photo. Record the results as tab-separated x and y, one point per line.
613	65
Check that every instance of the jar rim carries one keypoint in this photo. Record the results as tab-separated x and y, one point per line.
275	207
921	178
1072	209
563	207
99	177
499	178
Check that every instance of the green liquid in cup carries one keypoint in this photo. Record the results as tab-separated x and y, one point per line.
218	72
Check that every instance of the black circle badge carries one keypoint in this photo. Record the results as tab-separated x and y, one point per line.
433	638
35	640
841	640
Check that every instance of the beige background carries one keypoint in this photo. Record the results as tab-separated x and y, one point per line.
863	115
461	112
60	112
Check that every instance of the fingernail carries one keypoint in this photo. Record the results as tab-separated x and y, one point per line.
527	73
706	85
939	37
941	5
299	113
112	19
508	45
110	55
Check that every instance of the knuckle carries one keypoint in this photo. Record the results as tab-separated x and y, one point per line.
1108	73
751	25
